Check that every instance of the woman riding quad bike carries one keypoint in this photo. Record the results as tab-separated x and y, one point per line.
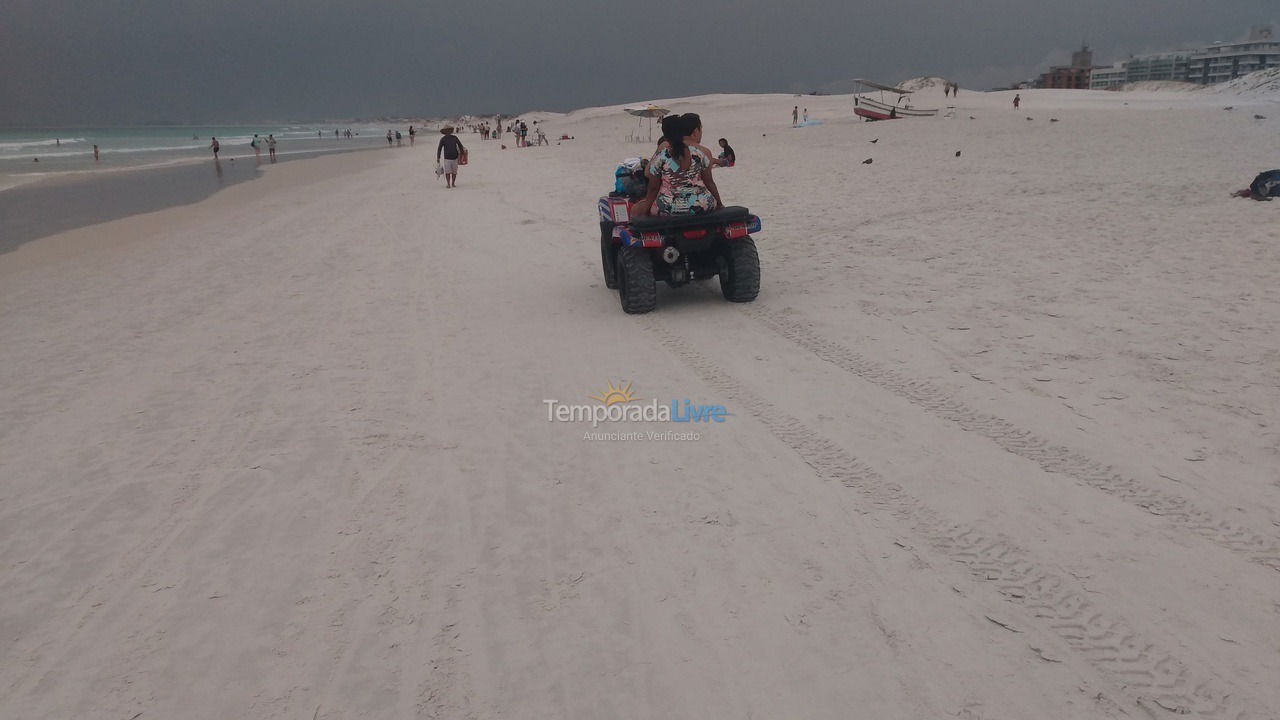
680	230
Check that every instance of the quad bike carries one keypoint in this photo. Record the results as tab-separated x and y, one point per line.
638	252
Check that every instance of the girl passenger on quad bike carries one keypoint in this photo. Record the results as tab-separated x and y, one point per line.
680	181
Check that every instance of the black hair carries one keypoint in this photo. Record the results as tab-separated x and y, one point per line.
690	122
673	131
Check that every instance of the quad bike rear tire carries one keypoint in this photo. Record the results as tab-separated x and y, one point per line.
637	289
608	256
740	271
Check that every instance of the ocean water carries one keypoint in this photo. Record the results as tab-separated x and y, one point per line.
65	151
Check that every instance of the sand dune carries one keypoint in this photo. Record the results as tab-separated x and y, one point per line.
1003	438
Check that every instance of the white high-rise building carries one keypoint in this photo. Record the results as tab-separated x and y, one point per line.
1221	62
1159	66
1217	63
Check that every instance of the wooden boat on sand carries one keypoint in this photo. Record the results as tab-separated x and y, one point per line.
870	109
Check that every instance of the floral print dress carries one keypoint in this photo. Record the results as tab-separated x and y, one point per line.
682	192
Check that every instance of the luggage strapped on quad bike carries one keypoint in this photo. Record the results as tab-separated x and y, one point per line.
635	253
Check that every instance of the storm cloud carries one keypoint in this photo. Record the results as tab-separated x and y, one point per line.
117	62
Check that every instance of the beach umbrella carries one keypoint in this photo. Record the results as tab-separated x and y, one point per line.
649	111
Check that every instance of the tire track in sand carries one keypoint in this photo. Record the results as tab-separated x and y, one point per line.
1153	678
1025	444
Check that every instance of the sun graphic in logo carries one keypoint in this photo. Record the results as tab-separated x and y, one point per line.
614	395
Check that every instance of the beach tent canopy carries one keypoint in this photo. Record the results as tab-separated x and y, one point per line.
878	86
649	111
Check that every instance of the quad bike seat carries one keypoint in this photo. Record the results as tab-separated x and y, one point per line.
664	223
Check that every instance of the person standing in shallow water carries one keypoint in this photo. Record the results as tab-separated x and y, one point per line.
271	146
95	153
215	146
451	150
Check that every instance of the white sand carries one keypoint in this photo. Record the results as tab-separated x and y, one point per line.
1004	439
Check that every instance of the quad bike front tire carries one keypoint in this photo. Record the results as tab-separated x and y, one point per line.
740	271
636	286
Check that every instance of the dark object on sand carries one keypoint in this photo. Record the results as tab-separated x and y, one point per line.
868	161
1053	119
1030	118
873	142
1229	107
957	153
1259	117
1264	187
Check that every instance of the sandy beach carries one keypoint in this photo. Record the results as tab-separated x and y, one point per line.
1003	440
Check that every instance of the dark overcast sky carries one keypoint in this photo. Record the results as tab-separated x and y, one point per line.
128	61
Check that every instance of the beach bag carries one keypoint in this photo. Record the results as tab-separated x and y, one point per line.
462	157
1266	185
627	179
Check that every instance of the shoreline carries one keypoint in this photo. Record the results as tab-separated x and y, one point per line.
148	229
68	200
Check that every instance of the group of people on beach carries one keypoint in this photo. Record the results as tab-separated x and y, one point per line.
257	143
520	129
399	139
950	89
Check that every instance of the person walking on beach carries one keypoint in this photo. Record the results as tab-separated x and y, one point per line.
806	114
215	147
413	135
1017	101
946	89
795	116
388	138
256	144
95	153
399	139
271	146
451	149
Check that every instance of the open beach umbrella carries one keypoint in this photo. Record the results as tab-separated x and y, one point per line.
649	111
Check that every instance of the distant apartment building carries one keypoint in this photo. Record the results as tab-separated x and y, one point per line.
1143	68
1217	63
1221	62
1075	76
